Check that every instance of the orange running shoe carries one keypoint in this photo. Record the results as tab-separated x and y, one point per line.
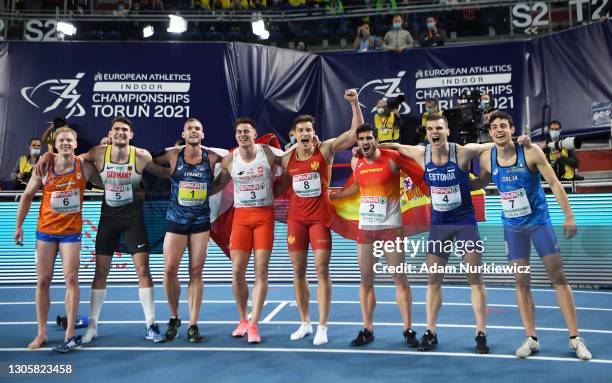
253	334
241	329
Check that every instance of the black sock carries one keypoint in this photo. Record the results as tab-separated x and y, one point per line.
574	337
534	338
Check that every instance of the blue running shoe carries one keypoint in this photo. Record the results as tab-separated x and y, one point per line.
154	334
73	343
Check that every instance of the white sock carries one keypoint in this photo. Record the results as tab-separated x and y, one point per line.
304	329
148	304
95	306
321	336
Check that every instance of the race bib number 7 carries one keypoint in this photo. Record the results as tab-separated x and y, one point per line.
515	203
66	201
192	193
118	195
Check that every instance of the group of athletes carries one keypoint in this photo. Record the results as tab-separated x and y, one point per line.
515	167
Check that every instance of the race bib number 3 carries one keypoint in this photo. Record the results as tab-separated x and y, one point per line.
252	195
373	210
192	193
445	198
515	203
118	195
307	185
66	202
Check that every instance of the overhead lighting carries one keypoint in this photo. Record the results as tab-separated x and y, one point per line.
258	27
147	31
66	28
265	35
177	24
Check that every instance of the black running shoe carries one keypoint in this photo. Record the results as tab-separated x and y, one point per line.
481	343
172	330
193	334
364	337
411	339
428	341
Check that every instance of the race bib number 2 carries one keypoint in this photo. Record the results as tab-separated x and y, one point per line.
373	210
118	195
307	185
192	193
66	201
515	203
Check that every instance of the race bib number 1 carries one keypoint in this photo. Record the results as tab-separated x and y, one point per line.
373	210
515	203
66	201
445	198
118	195
192	193
307	185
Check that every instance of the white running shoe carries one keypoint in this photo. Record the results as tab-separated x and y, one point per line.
90	334
528	347
579	345
304	329
321	336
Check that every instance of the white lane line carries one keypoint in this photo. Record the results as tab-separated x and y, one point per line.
293	303
321	350
275	311
382	324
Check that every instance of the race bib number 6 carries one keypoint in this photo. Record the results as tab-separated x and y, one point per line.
307	185
192	193
373	209
515	203
66	202
118	195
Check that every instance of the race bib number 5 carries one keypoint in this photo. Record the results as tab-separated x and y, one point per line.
373	209
515	203
66	202
252	195
192	193
307	185
445	198
118	195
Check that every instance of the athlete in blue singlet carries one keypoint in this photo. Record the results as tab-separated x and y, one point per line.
188	218
516	172
452	217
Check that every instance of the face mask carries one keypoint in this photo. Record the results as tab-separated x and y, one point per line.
380	110
429	110
293	139
397	25
431	25
484	104
35	152
554	134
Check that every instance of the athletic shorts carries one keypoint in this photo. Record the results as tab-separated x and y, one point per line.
109	234
465	237
367	237
189	228
58	238
252	229
300	233
518	241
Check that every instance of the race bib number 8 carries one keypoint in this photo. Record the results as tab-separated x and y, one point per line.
307	185
373	210
445	198
252	195
515	203
66	202
118	195
192	193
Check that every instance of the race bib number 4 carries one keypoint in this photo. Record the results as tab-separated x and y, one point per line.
192	193
66	202
307	185
515	203
373	210
118	195
252	195
445	198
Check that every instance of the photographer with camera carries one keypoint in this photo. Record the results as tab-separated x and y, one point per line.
364	41
23	169
561	153
387	119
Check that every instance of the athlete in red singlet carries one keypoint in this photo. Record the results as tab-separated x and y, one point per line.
377	177
307	171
